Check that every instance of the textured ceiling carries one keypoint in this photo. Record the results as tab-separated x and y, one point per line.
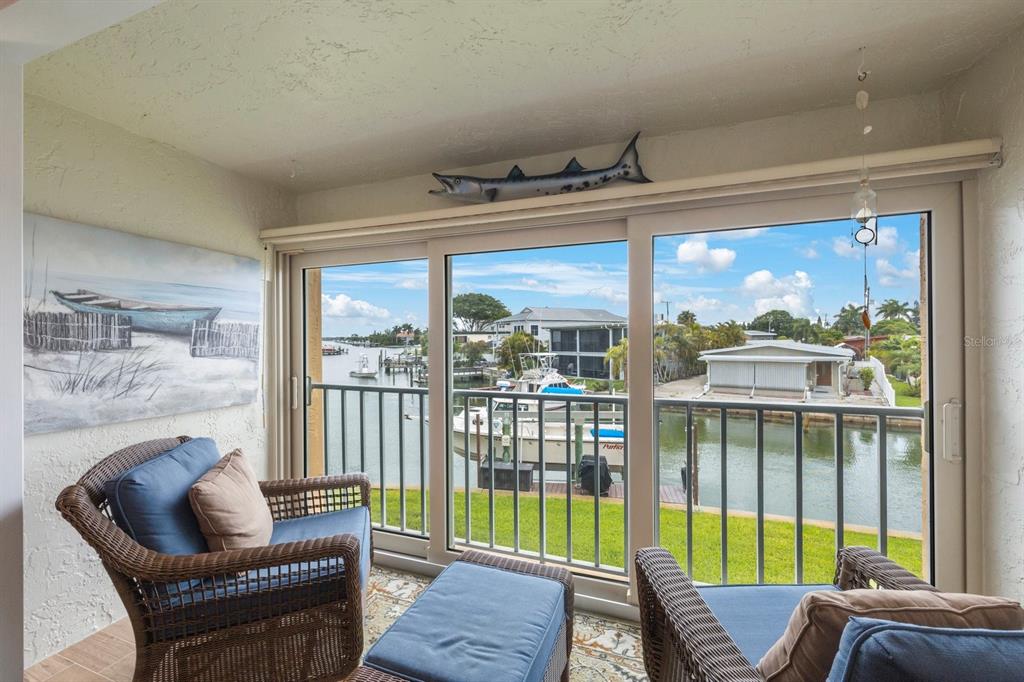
312	95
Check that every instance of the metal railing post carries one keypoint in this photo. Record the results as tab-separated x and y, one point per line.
724	495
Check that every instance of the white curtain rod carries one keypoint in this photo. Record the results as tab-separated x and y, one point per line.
665	195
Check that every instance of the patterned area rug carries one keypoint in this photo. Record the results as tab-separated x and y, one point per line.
602	648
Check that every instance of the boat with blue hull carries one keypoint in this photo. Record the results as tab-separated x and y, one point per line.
163	318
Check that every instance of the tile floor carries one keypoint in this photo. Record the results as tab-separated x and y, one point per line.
604	650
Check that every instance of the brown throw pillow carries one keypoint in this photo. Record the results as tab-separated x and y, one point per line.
805	651
231	511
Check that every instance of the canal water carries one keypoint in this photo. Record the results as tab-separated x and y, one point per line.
860	453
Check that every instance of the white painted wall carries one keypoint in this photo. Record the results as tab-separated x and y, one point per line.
811	136
989	100
81	169
28	29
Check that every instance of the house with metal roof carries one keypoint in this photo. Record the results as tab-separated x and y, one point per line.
758	335
579	337
777	367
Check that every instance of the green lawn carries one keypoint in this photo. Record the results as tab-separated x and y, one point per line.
903	397
819	553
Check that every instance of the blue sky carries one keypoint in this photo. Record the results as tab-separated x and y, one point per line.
809	270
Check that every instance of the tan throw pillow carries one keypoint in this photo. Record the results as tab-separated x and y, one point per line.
805	651
231	511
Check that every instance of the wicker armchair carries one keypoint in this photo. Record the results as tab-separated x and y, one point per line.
684	640
292	611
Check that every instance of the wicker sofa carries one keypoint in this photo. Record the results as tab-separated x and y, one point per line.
683	639
291	611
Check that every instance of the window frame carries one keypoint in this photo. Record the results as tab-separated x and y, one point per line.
638	227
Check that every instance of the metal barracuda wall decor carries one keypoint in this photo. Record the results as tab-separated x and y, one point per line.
517	185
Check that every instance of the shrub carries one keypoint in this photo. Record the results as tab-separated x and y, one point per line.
867	375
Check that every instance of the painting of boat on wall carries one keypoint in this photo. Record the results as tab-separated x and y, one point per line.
119	327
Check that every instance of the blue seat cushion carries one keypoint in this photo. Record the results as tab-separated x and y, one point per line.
355	521
150	503
755	616
475	623
872	649
224	602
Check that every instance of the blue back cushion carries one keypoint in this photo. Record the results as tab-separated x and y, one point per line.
150	501
872	649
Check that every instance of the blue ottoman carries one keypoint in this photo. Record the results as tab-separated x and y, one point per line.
486	618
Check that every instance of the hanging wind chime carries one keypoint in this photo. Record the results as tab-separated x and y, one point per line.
864	210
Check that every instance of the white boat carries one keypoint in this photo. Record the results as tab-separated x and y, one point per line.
486	431
364	371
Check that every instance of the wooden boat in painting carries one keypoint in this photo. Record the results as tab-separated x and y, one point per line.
163	318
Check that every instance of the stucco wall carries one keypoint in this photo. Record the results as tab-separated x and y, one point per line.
824	134
989	100
81	169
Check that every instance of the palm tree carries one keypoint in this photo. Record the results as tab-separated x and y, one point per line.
686	318
892	309
616	358
848	320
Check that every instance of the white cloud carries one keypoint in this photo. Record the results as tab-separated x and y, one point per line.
891	275
699	304
342	305
790	292
888	241
808	252
695	251
888	244
600	280
612	294
846	248
412	283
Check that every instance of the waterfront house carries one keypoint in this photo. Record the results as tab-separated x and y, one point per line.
312	169
778	367
579	337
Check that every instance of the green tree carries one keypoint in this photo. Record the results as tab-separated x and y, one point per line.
894	327
616	358
725	335
686	318
474	351
513	345
848	320
778	321
473	312
892	309
824	336
901	356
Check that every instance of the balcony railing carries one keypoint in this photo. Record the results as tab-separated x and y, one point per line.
382	431
554	432
798	412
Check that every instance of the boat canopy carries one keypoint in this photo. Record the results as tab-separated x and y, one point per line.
608	432
562	390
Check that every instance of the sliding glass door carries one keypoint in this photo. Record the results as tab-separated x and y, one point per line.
537	451
363	353
793	378
738	383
